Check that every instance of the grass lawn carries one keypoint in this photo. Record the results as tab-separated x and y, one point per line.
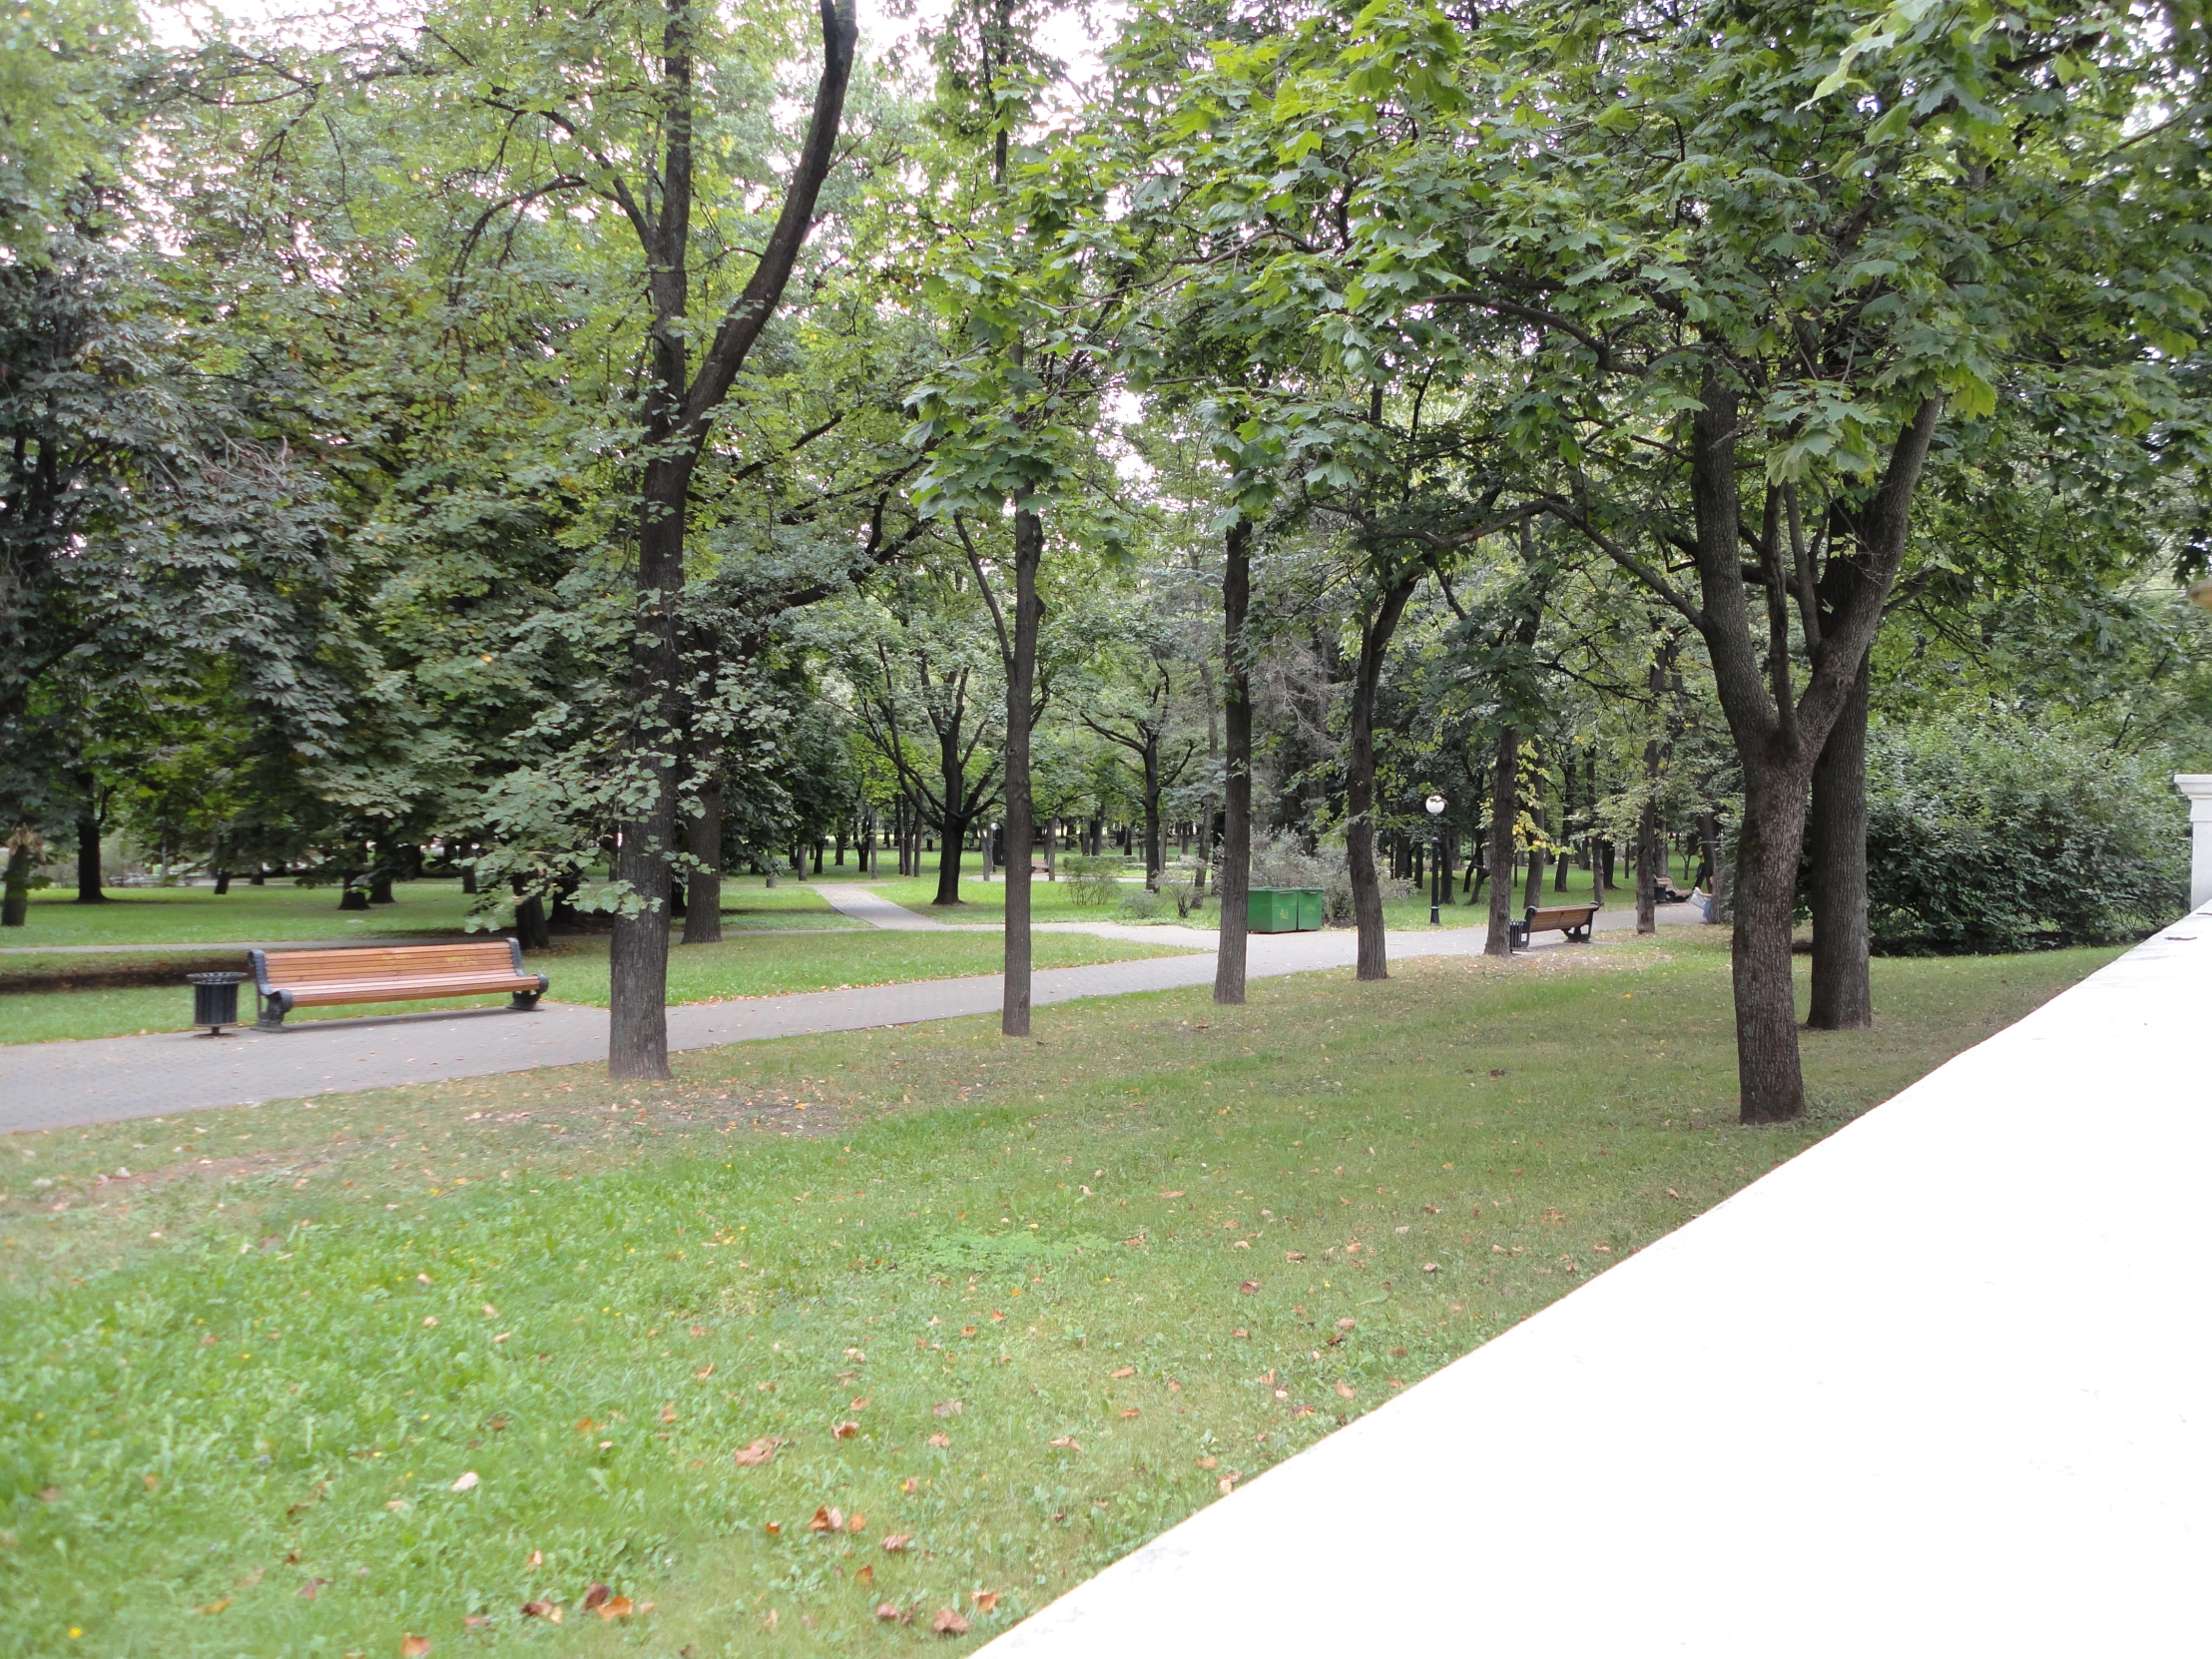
279	911
759	965
315	1377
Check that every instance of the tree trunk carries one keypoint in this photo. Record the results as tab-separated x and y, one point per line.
1366	889
15	887
1648	861
468	879
531	931
1843	984
1504	809
1767	1065
88	842
1233	882
380	885
1021	809
1539	819
703	881
351	898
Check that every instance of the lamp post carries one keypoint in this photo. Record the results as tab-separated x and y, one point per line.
1435	805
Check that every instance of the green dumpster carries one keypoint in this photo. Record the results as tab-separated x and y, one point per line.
1284	910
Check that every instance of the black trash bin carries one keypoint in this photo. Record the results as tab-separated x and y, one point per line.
214	1000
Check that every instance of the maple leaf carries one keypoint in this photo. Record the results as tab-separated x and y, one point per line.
866	1576
615	1607
985	1600
827	1519
949	1623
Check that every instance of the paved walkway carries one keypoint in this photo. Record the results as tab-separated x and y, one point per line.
110	1079
1934	1388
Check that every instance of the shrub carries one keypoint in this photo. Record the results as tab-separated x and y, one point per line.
1279	861
2000	836
1091	881
1144	904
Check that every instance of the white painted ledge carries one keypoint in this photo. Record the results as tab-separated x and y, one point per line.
1941	1386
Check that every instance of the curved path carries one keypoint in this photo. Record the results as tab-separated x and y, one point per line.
56	1085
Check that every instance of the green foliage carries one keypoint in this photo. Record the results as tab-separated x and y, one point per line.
1995	836
1092	881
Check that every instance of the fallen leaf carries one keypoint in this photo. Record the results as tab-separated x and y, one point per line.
910	1485
1249	1286
1208	1461
827	1519
760	1451
858	1522
312	1589
474	1621
774	1529
985	1600
1065	1442
490	1312
217	1605
152	1482
1430	1266
1227	1484
1346	1324
866	1576
537	1558
846	1430
467	1482
49	1495
668	1412
594	1596
967	1330
947	1408
429	1321
1345	1390
1240	1332
705	1372
1294	1256
1170	1195
1130	1413
949	1623
1126	1371
615	1607
698	1330
940	1442
413	1647
250	1580
887	1611
859	1404
893	1542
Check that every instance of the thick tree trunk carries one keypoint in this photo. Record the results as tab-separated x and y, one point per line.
1505	811
1233	882
530	929
15	887
1649	862
1843	983
702	879
1767	1061
1021	809
1154	858
88	842
380	885
468	879
1366	889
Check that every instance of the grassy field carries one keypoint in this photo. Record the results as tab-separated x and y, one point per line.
281	912
757	966
312	1378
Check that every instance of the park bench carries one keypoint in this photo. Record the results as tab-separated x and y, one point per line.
289	980
1575	920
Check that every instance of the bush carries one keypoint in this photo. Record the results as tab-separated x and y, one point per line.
1279	861
1999	837
1091	881
1144	904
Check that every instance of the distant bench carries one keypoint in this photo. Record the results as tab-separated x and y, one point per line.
289	980
1575	920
